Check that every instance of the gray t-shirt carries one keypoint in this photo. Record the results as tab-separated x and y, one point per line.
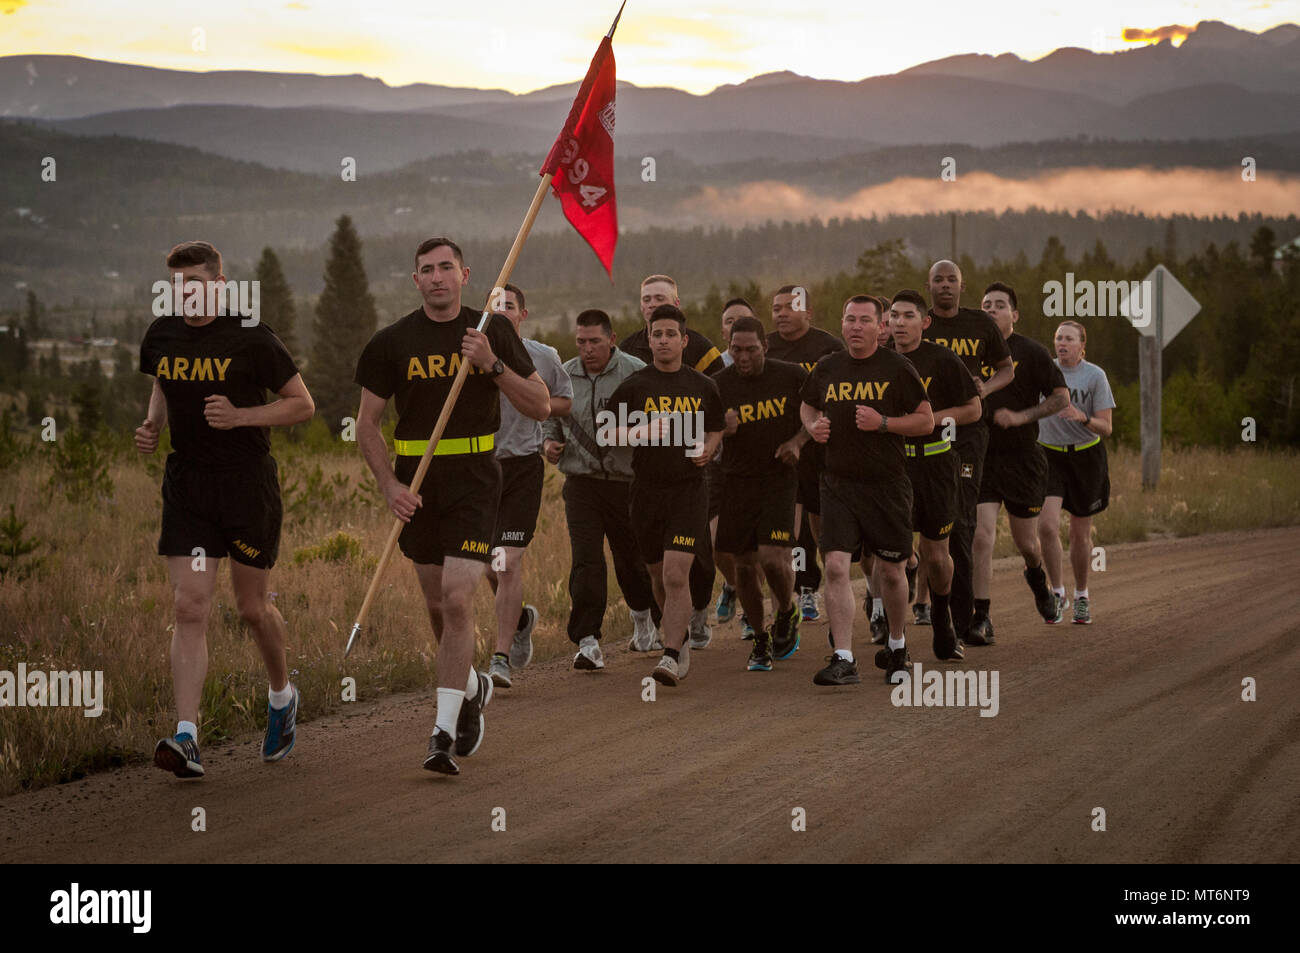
521	436
1090	392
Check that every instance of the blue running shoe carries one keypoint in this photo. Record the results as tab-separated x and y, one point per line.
281	729
746	630
179	755
808	605
726	607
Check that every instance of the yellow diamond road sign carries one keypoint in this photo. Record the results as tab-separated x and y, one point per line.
1179	307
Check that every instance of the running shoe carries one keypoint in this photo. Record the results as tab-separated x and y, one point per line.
179	755
808	605
645	635
281	725
665	673
840	671
1059	616
700	632
921	613
469	726
879	629
726	607
746	630
945	644
897	663
980	631
589	657
1082	613
521	647
439	758
684	660
785	634
760	656
1044	598
499	670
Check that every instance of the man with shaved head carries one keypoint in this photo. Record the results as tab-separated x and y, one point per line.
974	338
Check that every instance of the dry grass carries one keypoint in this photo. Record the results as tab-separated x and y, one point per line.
100	600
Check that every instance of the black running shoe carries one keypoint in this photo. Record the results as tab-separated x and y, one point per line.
760	657
879	630
469	726
980	631
785	634
898	662
1044	598
946	646
840	671
180	756
440	758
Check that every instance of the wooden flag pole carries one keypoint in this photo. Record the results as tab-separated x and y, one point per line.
447	408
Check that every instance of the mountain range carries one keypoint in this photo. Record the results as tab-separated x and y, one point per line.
1221	82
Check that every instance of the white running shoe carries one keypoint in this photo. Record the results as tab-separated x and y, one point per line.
589	657
665	672
645	637
701	633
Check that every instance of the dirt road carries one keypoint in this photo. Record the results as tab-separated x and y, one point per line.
1140	714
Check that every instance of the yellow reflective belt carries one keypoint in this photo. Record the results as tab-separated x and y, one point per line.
1077	447
446	446
939	446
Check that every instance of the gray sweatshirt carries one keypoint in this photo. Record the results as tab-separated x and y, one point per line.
583	456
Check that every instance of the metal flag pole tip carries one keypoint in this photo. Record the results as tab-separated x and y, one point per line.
352	638
610	34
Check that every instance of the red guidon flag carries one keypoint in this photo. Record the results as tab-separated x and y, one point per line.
582	159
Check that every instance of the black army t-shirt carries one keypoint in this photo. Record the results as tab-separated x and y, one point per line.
807	350
680	392
886	382
220	357
971	335
699	353
946	382
1036	377
767	406
416	359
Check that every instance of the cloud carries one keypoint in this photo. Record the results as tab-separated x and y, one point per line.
11	6
672	32
357	52
1184	191
1172	32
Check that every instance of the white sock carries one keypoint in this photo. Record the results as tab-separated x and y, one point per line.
896	643
449	702
877	608
188	728
1081	595
282	697
471	687
844	654
1060	591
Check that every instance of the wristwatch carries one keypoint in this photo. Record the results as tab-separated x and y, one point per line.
496	370
884	424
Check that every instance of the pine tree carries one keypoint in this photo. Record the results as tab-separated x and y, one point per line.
278	310
345	320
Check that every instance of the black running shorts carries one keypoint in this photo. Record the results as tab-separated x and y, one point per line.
812	460
756	511
1081	478
231	511
713	473
934	493
521	499
1018	479
871	515
459	514
668	516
